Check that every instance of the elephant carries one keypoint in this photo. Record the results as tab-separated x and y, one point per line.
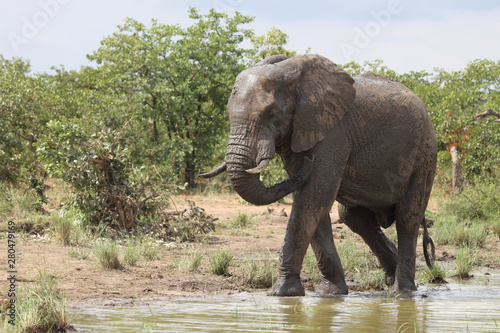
366	142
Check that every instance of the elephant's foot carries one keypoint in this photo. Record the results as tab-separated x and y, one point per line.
405	285
287	287
390	279
326	287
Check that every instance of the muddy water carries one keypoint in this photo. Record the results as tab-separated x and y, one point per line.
473	306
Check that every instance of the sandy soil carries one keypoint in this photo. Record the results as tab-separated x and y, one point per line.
84	282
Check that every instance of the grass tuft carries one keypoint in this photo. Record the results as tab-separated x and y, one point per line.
259	273
466	259
41	308
242	220
62	228
219	262
106	253
434	274
449	230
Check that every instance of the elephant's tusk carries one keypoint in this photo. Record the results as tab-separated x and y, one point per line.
217	171
259	168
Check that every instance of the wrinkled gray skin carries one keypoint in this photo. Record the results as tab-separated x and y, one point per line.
366	142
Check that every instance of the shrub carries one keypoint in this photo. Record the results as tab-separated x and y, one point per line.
186	225
99	170
480	201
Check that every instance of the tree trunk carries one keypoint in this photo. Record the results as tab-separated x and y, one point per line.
155	131
189	173
457	188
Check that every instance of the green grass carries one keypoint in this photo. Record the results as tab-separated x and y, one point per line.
466	260
40	306
106	253
361	266
219	262
259	273
62	226
434	274
310	270
78	253
132	253
450	230
242	220
195	259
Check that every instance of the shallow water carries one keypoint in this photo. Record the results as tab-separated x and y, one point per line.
472	306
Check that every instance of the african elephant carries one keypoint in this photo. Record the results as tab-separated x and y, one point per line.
366	142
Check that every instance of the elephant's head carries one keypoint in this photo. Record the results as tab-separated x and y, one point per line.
281	102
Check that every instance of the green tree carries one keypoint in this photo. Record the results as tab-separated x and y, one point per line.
180	78
27	102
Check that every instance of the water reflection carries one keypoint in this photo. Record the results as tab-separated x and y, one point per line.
461	307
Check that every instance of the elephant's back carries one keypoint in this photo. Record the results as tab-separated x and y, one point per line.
391	135
388	107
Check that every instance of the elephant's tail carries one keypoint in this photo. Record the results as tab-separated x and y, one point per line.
429	260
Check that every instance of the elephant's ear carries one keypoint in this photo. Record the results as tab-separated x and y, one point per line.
324	93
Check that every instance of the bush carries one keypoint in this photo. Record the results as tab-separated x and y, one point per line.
98	168
185	225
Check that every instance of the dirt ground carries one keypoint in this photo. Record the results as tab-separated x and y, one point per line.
84	282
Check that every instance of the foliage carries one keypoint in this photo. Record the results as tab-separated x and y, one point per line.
98	168
480	201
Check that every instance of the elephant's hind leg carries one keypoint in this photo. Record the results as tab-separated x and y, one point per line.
333	281
363	222
409	216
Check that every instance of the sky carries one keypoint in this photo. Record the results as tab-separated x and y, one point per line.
408	35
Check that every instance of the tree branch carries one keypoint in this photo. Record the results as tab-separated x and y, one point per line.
486	113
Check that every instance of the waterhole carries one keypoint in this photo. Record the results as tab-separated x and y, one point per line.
470	306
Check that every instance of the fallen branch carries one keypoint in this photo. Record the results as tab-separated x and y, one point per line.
486	113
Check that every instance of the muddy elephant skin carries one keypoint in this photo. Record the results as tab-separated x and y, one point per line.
366	142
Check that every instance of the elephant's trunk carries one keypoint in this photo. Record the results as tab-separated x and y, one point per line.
244	176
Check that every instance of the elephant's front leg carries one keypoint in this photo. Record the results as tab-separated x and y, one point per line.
333	280
311	206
